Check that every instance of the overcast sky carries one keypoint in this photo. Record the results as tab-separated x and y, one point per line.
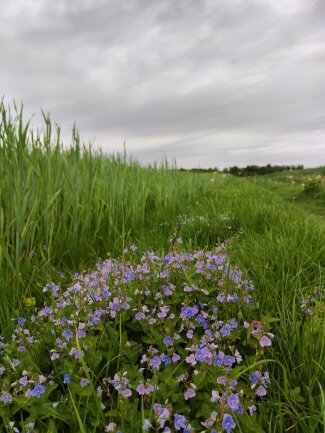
209	82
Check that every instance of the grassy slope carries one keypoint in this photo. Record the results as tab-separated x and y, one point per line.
305	188
60	210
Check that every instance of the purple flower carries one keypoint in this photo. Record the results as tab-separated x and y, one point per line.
189	312
222	380
28	393
106	293
41	378
233	383
225	331
38	390
233	402
126	393
141	389
68	334
189	393
254	378
175	357
204	355
81	333
145	390
179	421
55	356
233	323
146	425
265	341
168	342
215	396
15	362
23	381
229	360
21	321
261	391
140	316
191	359
6	397
155	362
163	311
66	378
228	423
84	382
252	409
166	360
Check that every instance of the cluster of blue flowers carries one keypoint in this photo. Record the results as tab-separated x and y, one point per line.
171	332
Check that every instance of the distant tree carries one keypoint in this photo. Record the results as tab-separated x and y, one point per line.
255	170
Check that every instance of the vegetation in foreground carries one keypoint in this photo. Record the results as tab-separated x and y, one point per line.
61	210
162	343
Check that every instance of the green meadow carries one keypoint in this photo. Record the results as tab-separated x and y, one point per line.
62	209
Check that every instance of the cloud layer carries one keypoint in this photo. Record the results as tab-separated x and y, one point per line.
210	82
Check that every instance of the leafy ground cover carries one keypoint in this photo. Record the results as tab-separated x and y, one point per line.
63	210
157	343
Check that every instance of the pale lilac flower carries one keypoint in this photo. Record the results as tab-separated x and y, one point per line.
6	397
191	359
252	409
265	341
261	391
146	425
126	393
23	381
28	393
189	393
222	380
215	396
55	356
145	389
140	316
233	402
175	357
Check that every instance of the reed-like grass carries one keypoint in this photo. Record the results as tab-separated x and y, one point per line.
62	208
65	207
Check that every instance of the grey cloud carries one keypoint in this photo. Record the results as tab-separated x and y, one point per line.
159	70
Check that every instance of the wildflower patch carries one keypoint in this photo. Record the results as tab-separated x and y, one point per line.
153	343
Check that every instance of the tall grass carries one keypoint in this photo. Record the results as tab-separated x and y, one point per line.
62	208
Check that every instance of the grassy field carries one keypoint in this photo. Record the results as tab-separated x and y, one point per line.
61	210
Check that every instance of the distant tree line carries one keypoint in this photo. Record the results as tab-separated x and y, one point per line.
255	170
201	170
249	170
